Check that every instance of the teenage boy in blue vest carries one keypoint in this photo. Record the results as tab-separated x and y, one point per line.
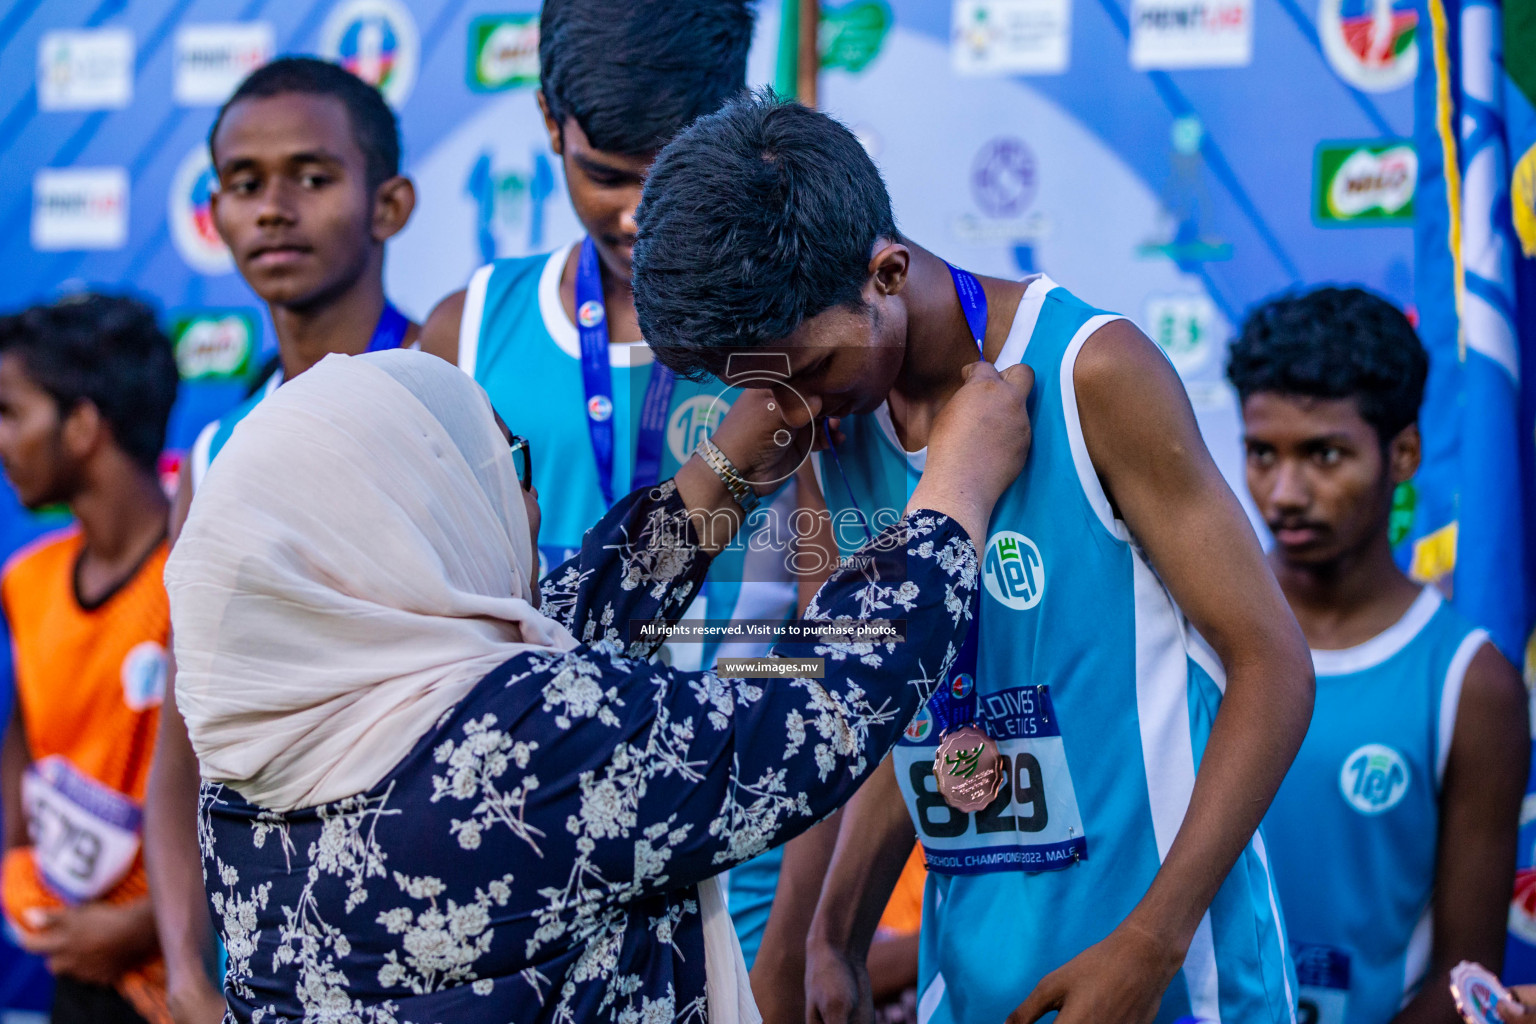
1393	836
1138	722
310	192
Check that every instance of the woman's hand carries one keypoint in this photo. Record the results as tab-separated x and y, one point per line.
764	449
979	442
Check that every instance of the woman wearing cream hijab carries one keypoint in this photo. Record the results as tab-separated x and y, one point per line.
428	796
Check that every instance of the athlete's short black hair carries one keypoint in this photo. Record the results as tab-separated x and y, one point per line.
374	126
753	220
1334	343
108	350
633	73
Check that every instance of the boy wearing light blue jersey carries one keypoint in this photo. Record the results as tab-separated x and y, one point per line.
310	192
1110	869
554	339
1393	836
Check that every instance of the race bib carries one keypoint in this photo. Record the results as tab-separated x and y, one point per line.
1033	825
84	835
1322	975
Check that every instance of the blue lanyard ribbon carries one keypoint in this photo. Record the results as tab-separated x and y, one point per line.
597	382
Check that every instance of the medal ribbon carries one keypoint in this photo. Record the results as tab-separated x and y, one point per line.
597	381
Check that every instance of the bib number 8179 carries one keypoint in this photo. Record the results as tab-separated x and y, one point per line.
1022	785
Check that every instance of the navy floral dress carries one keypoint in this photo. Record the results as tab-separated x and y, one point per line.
536	856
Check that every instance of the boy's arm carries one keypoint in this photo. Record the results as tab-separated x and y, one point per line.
171	858
14	759
873	844
1142	440
440	332
778	973
1479	821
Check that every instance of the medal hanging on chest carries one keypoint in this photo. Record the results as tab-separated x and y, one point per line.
968	768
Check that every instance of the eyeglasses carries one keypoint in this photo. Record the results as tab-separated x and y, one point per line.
522	460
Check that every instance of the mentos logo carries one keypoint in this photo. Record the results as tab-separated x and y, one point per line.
1014	572
1372	44
377	41
1374	779
190	212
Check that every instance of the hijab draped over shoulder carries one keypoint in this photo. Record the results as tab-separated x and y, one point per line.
357	558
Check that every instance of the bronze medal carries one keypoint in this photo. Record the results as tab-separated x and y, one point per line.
968	769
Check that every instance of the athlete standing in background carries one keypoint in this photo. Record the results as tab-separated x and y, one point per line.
1393	835
310	192
86	388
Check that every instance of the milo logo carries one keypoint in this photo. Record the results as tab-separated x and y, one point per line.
1014	572
1374	779
1365	183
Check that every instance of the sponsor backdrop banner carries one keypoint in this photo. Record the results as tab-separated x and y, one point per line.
1176	160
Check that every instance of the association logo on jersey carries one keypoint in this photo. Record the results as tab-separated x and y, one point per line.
1374	778
921	727
377	41
1372	44
79	208
503	52
85	70
692	421
962	686
212	60
214	344
1014	571
1366	183
1004	177
144	676
600	408
190	212
590	313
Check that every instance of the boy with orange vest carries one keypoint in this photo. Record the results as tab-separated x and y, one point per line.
86	387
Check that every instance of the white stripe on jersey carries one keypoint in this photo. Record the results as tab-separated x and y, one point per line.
471	319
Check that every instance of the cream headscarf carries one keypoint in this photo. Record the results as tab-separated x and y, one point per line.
356	560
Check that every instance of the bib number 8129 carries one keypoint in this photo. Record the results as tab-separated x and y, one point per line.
1023	785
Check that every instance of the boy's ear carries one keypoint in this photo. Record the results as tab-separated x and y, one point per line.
1404	453
393	202
888	267
81	429
554	128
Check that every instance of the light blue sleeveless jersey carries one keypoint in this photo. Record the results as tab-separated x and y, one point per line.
1353	830
1101	698
516	340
